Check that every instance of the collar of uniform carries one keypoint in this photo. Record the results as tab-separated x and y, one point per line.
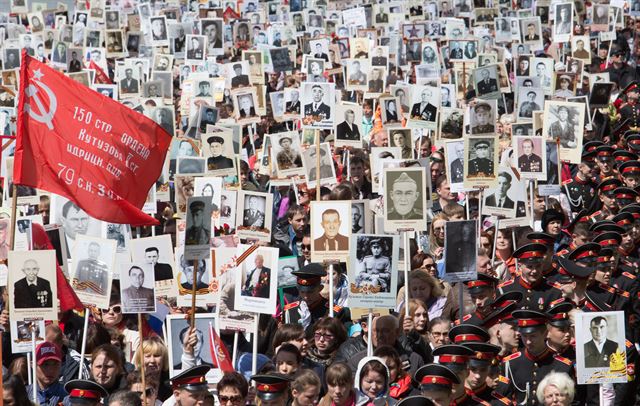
471	392
527	285
623	252
319	303
580	181
532	357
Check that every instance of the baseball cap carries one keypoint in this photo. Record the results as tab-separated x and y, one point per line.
46	351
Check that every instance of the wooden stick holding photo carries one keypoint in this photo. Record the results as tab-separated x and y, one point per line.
369	330
141	360
407	266
331	290
317	136
33	347
194	289
84	340
254	342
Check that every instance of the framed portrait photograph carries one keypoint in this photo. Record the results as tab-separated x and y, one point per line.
159	33
405	197
226	271
318	105
253	219
551	185
190	165
228	207
424	106
531	32
530	99
155	256
401	138
195	48
361	217
460	250
211	188
198	229
455	157
486	81
287	265
32	285
245	104
178	330
371	271
580	48
257	281
217	150
482	117
285	150
451	123
137	289
600	347
327	170
73	219
330	230
187	270
391	114
563	24
93	265
564	121
481	161
348	125
600	94
21	335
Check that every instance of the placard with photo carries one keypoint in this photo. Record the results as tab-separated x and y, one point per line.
424	107
286	153
217	149
372	270
204	275
178	330
327	170
156	254
73	219
21	335
482	117
211	187
330	229
481	161
93	266
460	251
563	22
228	208
391	113
531	31
348	125
230	317
405	200
287	265
600	347
198	231
33	286
401	138
564	121
361	217
551	185
455	157
318	105
486	82
245	104
257	281
451	124
377	158
531	153
530	99
137	289
253	219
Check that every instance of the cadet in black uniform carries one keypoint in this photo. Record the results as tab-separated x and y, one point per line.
609	205
455	357
526	368
478	393
536	293
580	189
309	283
190	385
272	388
436	382
84	392
631	109
630	173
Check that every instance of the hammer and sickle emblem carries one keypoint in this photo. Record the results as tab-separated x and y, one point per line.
41	114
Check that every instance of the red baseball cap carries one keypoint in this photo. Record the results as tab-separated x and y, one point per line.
47	351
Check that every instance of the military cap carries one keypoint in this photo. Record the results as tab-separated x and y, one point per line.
606	226
309	276
482	106
417	400
624	220
629	168
436	377
593	303
193	379
632	208
565	78
588	157
585	254
453	356
541	238
608	239
481	144
581	217
237	65
530	320
604	153
215	138
286	137
485	353
271	386
559	314
483	282
197	205
592	145
85	389
631	87
503	306
313	152
625	195
622	156
576	271
608	186
404	178
465	333
633	142
530	252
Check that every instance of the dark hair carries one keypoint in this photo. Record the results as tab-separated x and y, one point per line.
125	397
290	348
112	352
135	267
67	206
154	248
374	366
287	332
343	191
235	380
597	320
387	351
97	336
18	389
339	373
440	180
436	321
335	327
151	378
295	209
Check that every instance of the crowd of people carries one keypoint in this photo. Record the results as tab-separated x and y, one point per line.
520	117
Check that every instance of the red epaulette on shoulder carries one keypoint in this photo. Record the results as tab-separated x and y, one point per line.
566	182
628	344
608	288
464	318
512	356
480	401
337	309
563	359
555	302
501	398
506	283
291	305
622	293
629	275
504	379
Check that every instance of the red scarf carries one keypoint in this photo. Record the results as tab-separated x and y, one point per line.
400	388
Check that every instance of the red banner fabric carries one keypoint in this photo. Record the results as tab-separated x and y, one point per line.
77	143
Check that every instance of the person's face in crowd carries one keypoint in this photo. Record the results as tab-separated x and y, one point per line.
483	298
559	337
508	335
48	373
438	397
216	148
384	333
439	334
420	319
76	222
357	172
404	196
137	277
608	201
286	363
503	185
31	269
605	166
430	266
331	224
476	377
372	383
112	316
602	273
420	290
324	340
539	205
103	370
149	391
534	342
554	227
502	242
188	398
230	395
483	117
339	394
554	397
298	222
531	270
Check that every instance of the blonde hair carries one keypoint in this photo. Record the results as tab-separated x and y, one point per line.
414	305
304	378
423	276
155	346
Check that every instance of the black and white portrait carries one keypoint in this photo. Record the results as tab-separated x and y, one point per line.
195	48
481	160
94	260
530	99
137	289
212	29
179	332
286	151
245	105
32	285
405	198
159	34
563	22
318	105
424	106
460	250
371	271
564	121
531	32
401	138
327	170
391	113
482	117
454	154
254	214
486	81
451	123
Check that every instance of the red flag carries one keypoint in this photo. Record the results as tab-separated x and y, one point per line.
101	76
85	146
219	354
68	298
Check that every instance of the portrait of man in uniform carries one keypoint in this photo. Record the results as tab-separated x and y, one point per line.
92	275
374	269
403	195
331	239
457	165
257	278
217	160
253	216
32	291
482	119
348	130
287	157
161	271
136	297
529	161
482	164
198	231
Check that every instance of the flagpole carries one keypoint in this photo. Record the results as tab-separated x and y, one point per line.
84	341
14	210
317	133
35	363
254	361
193	294
141	351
